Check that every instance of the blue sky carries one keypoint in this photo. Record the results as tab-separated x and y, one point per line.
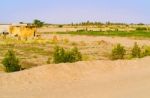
67	11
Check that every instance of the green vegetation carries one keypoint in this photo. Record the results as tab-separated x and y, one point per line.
141	28
110	33
62	56
118	52
90	23
136	51
11	62
38	23
60	26
146	52
35	52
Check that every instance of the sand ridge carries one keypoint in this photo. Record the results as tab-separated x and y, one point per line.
90	79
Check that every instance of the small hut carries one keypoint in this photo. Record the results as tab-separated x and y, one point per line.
22	31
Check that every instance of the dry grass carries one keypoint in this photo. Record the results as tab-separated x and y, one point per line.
37	51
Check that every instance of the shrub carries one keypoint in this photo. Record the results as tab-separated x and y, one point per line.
11	62
118	52
75	54
58	54
65	40
60	26
146	52
136	51
49	60
62	56
141	28
82	30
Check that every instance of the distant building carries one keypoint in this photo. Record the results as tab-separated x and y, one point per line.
22	31
4	28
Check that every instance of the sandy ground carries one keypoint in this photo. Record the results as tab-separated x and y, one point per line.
88	39
91	79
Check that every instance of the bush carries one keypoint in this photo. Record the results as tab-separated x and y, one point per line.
49	60
141	28
136	51
118	52
76	55
62	56
60	26
11	62
82	30
146	52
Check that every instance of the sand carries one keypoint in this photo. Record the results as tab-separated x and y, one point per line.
128	42
91	79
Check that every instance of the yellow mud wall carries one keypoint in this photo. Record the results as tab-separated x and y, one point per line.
27	32
23	31
14	30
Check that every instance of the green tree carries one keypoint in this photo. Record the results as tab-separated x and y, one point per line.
38	23
11	62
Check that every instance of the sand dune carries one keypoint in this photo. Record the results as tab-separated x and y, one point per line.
91	79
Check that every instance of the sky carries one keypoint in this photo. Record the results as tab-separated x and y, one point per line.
68	11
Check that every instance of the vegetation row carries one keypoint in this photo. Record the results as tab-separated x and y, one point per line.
62	55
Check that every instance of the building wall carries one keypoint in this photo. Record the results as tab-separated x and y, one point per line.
4	28
23	31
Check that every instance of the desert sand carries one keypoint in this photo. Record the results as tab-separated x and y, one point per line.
91	79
